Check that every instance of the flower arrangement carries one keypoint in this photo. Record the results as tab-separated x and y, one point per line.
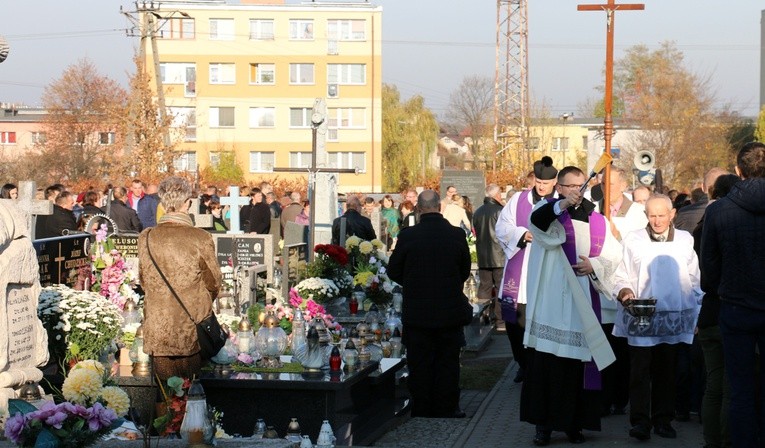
257	312
321	290
170	423
331	262
369	269
92	411
80	324
311	310
471	245
111	275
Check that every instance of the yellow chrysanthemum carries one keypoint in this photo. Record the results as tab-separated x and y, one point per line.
82	386
353	241
116	399
377	243
90	364
362	278
366	247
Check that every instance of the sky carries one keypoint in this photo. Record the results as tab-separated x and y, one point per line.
429	46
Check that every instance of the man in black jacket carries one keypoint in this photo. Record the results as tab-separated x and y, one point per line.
432	261
125	217
355	222
259	213
491	257
61	219
733	265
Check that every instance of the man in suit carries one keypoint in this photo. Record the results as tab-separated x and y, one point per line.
125	217
355	222
61	219
432	261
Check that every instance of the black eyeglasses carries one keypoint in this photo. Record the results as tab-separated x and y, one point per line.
577	186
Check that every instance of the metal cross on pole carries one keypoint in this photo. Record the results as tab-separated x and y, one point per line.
318	126
608	126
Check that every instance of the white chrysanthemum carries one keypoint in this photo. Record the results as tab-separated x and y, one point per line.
90	364
353	241
377	243
82	386
116	399
366	247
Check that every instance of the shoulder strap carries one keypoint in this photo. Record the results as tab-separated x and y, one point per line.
148	249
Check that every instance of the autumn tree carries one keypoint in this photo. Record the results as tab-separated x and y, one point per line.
150	138
226	171
471	112
675	109
409	134
759	133
81	128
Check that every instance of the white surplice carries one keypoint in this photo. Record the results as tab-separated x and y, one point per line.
668	272
554	324
634	219
509	231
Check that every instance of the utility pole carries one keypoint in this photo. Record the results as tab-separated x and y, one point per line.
608	125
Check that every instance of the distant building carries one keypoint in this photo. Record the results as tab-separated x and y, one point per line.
20	130
242	76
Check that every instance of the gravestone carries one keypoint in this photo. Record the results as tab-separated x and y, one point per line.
127	245
377	224
234	201
468	183
294	255
23	340
202	221
29	207
60	258
244	250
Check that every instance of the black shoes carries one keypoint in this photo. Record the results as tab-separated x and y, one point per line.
575	437
666	430
641	432
542	438
518	376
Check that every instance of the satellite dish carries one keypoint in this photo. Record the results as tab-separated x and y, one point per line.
4	49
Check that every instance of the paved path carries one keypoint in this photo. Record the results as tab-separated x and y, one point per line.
492	421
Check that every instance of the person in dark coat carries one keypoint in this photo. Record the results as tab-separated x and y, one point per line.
125	217
62	218
733	265
491	257
147	207
259	214
355	222
432	261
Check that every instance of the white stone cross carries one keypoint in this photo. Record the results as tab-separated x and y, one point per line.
30	206
234	201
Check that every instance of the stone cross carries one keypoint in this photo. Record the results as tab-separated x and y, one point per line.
234	201
28	205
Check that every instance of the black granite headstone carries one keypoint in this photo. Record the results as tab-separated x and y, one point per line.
60	258
468	183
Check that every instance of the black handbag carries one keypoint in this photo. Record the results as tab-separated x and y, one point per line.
210	336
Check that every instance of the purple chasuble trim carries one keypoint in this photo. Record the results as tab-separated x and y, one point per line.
508	298
592	377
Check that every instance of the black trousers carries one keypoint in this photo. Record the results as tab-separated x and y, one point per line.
652	384
433	358
515	335
616	391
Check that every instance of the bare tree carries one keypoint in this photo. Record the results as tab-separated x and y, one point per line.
84	110
471	110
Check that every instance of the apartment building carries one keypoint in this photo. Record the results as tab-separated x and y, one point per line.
243	75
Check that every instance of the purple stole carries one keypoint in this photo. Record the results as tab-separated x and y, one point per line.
511	279
592	379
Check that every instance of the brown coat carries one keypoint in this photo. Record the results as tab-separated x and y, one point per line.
186	256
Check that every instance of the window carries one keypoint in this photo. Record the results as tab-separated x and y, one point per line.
301	74
262	73
7	138
332	135
180	73
185	117
261	161
261	29
350	117
346	29
106	138
186	161
560	144
177	28
301	29
222	73
348	160
300	117
221	117
534	143
221	29
214	159
39	138
300	159
346	74
262	117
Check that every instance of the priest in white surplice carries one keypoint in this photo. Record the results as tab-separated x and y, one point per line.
659	262
514	237
571	263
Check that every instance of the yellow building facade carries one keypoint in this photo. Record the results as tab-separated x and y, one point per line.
566	144
243	77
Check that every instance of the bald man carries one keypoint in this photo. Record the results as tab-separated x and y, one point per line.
355	223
